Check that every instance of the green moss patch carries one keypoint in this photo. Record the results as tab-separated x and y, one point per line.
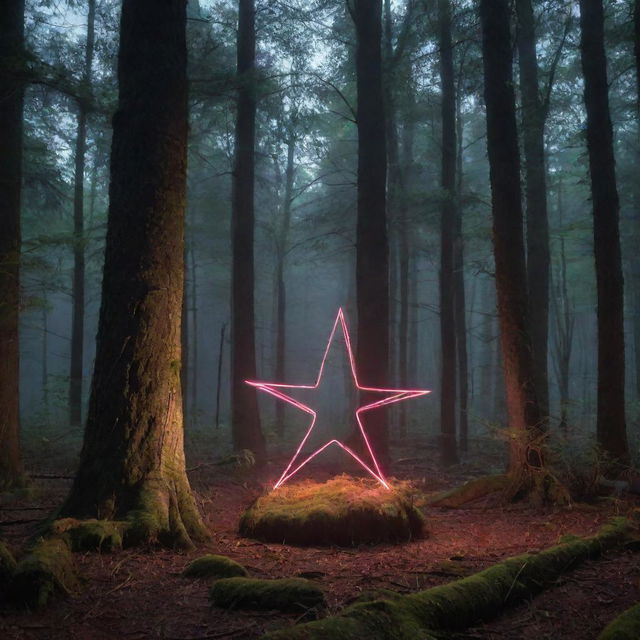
214	566
7	565
454	606
90	535
343	511
625	627
287	594
46	570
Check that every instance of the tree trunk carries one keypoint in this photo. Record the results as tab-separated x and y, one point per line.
132	463
281	285
508	242
403	275
78	293
533	122
245	419
460	295
11	103
611	426
372	259
448	449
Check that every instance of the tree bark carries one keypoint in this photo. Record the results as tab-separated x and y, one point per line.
11	107
537	226
508	242
245	418
372	251
132	463
78	287
611	425
460	295
448	448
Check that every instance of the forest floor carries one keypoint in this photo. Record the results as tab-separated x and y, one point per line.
137	594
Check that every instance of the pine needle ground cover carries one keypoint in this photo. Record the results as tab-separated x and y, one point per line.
343	511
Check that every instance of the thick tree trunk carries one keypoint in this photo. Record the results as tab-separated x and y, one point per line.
11	103
448	449
504	163
538	257
372	259
281	285
611	425
245	419
78	297
132	463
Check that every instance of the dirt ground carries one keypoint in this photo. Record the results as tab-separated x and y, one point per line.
139	594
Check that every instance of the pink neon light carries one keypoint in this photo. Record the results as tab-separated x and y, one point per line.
396	395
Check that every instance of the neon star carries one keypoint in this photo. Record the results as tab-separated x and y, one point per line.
392	396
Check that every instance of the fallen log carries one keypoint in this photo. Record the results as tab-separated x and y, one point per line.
457	605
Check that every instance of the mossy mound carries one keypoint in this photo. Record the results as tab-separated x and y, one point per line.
90	535
343	511
45	571
625	627
214	566
7	565
295	595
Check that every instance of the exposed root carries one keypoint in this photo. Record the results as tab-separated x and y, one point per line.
456	605
7	565
470	491
45	571
166	516
90	535
625	627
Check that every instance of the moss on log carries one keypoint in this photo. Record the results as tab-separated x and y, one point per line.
456	605
344	511
7	565
625	627
46	570
295	595
470	491
214	566
90	535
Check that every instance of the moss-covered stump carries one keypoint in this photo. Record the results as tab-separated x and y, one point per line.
7	565
343	511
295	595
90	535
625	627
454	606
214	566
46	570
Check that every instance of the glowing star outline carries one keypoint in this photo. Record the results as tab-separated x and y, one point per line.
277	390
